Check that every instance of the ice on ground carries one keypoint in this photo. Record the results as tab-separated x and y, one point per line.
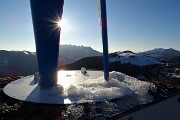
118	85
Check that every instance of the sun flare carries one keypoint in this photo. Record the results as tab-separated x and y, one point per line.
62	24
59	23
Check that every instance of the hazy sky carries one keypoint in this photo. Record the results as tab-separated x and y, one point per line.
136	25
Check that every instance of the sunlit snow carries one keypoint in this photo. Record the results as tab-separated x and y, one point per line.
135	59
118	85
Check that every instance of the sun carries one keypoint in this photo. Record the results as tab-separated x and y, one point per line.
59	23
62	24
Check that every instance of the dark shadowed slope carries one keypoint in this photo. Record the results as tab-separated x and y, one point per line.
14	63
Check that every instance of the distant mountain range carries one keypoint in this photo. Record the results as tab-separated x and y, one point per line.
13	63
151	57
72	53
162	53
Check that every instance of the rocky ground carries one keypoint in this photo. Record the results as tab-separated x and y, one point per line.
11	109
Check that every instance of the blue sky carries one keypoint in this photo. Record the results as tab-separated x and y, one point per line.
136	25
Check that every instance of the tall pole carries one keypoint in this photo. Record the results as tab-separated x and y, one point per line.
103	21
45	16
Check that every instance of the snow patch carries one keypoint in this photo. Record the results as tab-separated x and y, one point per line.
26	52
175	76
135	59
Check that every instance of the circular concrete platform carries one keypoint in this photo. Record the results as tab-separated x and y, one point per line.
27	89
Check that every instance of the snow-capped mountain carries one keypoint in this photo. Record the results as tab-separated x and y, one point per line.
126	57
162	53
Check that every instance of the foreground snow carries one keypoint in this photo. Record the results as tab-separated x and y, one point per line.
118	85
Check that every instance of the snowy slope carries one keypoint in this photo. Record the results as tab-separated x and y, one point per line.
133	58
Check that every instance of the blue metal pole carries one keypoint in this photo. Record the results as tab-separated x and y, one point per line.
45	15
103	18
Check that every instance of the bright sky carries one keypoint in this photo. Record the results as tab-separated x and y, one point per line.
136	25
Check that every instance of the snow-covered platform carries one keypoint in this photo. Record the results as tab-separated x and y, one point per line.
78	87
